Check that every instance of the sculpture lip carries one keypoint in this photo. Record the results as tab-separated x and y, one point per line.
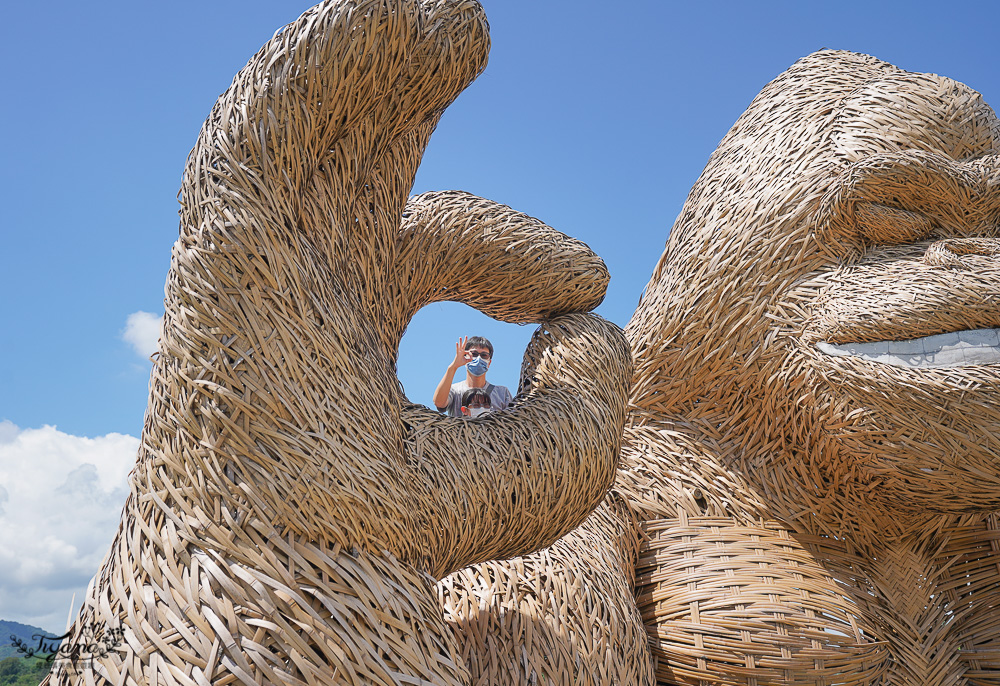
901	197
953	349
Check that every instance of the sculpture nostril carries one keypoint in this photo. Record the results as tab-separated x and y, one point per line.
949	252
938	254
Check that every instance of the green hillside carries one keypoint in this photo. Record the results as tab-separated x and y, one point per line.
15	669
22	631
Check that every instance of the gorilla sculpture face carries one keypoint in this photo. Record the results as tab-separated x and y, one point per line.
831	291
907	329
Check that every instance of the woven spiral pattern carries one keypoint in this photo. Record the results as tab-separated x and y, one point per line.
290	510
811	509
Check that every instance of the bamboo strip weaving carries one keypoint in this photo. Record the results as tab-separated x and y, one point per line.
290	510
811	463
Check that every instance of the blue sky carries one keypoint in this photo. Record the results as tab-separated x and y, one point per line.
595	117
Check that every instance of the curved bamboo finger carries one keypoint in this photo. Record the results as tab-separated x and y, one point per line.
455	246
516	480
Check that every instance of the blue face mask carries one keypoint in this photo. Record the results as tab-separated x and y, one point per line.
478	366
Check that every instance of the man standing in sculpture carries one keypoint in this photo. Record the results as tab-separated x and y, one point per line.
474	353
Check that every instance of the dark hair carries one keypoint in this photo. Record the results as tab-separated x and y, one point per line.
479	342
474	393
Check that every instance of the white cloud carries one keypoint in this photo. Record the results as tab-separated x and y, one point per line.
61	497
142	332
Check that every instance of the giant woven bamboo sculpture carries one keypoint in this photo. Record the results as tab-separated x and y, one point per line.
290	511
813	447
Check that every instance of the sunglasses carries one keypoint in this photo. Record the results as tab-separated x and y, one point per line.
485	354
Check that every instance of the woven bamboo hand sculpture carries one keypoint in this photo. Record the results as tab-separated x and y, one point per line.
812	457
290	512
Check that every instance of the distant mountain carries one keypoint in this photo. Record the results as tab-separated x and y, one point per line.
21	631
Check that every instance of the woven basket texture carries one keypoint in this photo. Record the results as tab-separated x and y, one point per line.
290	511
791	507
814	474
